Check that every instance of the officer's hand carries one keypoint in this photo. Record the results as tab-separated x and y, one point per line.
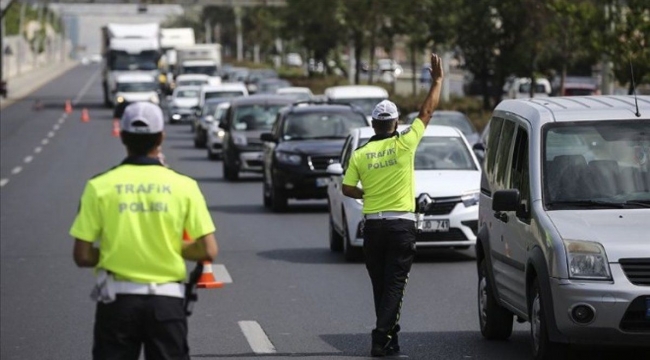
436	68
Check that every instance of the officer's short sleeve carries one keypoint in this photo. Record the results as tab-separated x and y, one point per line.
351	177
198	221
410	138
87	225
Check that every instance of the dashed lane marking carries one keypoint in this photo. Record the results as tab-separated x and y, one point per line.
28	159
221	274
256	337
3	182
45	141
86	87
56	127
61	120
38	149
51	134
16	170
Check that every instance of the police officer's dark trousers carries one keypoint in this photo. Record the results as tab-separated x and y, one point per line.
123	326
389	248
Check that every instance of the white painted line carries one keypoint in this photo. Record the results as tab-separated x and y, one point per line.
38	149
56	127
45	141
86	87
28	159
51	134
221	274
64	116
257	339
16	170
61	120
3	182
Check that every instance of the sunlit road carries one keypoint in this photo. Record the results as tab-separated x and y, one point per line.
307	301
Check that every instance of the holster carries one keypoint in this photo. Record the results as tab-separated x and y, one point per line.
191	293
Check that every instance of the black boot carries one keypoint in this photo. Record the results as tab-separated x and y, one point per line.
380	341
393	345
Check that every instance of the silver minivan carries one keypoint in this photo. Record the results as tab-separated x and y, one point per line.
564	222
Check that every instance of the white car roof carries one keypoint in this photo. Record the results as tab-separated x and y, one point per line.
540	111
224	87
187	87
431	130
356	91
199	63
294	90
135	77
192	77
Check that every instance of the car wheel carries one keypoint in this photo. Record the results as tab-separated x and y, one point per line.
543	348
230	173
350	253
336	240
212	156
495	321
172	121
266	194
279	200
197	143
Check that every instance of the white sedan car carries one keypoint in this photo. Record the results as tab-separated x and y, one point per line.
214	142
445	168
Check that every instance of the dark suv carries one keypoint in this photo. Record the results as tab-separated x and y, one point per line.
246	119
305	139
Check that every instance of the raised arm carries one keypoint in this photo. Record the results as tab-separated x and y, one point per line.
433	97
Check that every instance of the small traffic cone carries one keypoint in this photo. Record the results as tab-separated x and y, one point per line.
84	115
116	133
68	107
186	236
207	280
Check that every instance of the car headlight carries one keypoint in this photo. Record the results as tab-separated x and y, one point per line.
359	201
470	198
218	133
154	99
120	99
239	140
587	260
288	158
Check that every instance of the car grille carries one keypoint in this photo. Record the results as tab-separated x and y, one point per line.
322	162
451	235
254	163
635	318
637	270
442	205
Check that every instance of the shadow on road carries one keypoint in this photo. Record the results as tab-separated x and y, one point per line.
183	147
303	256
240	209
442	255
219	179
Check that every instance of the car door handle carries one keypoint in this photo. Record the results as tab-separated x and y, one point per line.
501	216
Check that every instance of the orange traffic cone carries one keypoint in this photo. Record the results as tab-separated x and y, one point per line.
116	133
207	280
84	115
68	107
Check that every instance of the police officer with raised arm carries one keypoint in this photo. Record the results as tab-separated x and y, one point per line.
385	169
137	212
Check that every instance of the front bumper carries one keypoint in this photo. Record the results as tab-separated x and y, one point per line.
214	144
619	307
181	115
251	161
298	182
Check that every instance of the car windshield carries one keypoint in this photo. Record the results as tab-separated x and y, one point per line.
440	153
214	109
272	86
222	94
597	164
192	82
525	88
459	121
187	94
255	117
120	60
365	104
321	125
209	70
137	87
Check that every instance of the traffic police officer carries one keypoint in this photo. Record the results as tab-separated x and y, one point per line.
137	212
385	168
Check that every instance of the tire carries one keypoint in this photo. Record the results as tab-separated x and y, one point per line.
350	253
494	320
197	144
212	156
279	201
543	348
230	173
266	194
336	240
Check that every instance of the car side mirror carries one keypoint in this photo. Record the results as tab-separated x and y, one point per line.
335	169
209	118
479	146
223	125
506	200
267	137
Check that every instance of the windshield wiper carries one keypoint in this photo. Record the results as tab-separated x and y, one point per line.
588	203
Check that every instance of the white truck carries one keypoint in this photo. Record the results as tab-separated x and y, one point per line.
199	59
127	48
170	40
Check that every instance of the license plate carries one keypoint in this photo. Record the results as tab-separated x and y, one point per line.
435	225
647	308
321	182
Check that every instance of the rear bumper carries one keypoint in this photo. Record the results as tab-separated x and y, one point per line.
302	184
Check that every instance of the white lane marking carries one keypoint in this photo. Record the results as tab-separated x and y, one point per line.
45	141
64	116
61	120
38	149
86	87
51	134
28	159
16	170
221	274
3	182
56	127
257	339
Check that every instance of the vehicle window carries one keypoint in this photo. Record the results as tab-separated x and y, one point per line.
588	164
443	153
206	70
491	151
137	87
187	94
459	121
222	94
525	88
503	155
519	173
255	117
365	104
347	152
192	83
121	60
321	125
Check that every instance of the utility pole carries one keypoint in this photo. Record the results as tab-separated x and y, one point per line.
20	50
240	38
208	31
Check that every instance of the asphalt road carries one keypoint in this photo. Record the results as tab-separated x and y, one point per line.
289	295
